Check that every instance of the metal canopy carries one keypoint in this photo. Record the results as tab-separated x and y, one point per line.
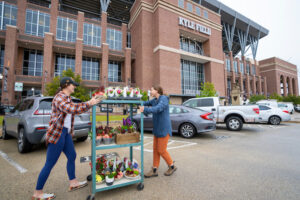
118	11
246	32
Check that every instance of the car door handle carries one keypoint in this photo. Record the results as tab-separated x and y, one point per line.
213	109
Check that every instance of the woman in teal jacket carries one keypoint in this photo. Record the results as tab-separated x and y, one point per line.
162	130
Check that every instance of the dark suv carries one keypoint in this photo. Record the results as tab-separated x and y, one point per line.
29	120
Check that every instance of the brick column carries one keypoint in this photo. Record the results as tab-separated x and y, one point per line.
241	75
296	87
248	85
225	74
241	83
290	87
10	61
265	86
80	21
284	86
21	15
124	35
254	84
104	65
232	67
259	85
47	62
78	56
79	44
53	17
127	66
103	26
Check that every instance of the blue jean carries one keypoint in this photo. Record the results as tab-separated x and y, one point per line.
65	144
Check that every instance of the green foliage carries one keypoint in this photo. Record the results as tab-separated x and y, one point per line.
80	92
208	90
276	96
145	95
292	98
255	98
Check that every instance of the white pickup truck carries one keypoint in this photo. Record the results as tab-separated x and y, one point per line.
233	116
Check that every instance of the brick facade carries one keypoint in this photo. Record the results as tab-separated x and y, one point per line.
154	57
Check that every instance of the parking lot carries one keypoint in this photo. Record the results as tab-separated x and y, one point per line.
259	162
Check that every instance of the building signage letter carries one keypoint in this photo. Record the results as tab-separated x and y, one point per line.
192	25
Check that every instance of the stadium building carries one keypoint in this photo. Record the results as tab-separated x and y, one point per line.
177	44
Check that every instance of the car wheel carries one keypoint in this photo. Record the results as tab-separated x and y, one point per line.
22	142
274	120
234	123
82	139
187	130
4	133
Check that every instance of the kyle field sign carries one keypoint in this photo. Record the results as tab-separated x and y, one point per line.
193	25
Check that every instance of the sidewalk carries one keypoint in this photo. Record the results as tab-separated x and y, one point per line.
295	117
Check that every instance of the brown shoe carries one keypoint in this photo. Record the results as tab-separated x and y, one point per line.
170	171
151	173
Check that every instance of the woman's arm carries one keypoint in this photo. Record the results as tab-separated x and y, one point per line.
148	103
70	107
162	104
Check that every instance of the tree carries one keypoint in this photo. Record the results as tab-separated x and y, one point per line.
208	90
255	98
80	92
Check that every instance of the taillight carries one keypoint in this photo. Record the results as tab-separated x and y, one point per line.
207	116
256	110
286	111
90	124
42	112
41	128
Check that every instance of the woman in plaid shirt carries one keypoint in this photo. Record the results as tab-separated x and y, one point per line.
59	136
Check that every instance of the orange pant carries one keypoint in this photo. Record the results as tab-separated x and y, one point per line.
160	149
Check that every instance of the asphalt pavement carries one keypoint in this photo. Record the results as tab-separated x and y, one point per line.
261	162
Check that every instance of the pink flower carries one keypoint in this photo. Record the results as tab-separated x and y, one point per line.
136	92
119	91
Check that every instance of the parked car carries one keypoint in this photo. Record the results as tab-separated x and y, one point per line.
233	116
29	120
289	106
297	107
271	103
5	109
185	121
273	115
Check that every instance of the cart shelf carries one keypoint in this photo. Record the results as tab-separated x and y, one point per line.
114	146
124	181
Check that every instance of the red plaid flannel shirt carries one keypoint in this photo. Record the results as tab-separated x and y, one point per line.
61	106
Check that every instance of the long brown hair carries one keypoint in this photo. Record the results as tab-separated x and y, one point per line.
62	87
158	89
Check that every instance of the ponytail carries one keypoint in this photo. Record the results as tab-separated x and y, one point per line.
57	91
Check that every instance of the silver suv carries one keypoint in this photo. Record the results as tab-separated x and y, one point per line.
29	120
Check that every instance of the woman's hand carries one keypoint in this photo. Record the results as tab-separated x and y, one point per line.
95	100
142	108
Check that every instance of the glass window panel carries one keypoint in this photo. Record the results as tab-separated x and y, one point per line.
32	62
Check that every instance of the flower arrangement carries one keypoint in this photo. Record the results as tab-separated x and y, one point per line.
137	93
118	92
110	92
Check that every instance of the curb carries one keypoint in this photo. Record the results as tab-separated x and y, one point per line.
297	122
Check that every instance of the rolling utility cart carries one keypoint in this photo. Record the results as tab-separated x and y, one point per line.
123	181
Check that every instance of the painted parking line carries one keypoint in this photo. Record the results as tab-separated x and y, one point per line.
21	169
172	144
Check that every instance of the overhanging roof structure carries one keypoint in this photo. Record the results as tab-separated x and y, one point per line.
239	32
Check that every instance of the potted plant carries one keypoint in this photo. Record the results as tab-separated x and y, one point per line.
110	178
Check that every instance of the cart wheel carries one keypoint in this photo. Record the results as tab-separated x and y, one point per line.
90	197
140	187
89	178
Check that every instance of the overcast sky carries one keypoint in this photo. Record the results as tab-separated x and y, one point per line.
282	19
